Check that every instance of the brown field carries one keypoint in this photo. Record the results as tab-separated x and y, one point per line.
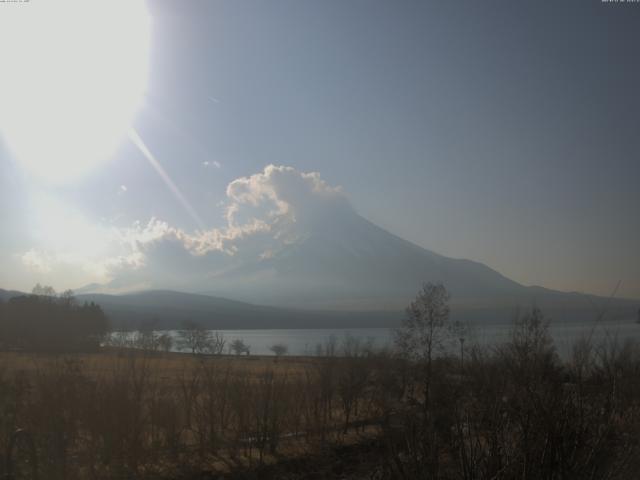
125	413
164	365
139	414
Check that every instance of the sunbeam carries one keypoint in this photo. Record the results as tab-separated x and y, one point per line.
139	143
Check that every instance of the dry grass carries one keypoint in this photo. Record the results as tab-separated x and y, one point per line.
165	365
125	413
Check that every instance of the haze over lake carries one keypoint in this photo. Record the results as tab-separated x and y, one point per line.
305	341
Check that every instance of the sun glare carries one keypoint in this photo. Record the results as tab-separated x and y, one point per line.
73	76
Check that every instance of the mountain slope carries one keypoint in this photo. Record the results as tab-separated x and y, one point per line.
338	261
344	261
5	295
324	270
168	309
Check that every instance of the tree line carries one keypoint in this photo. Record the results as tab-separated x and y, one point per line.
47	321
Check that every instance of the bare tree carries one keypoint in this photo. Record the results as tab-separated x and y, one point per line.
426	327
328	349
425	331
43	290
216	343
194	337
239	347
120	339
146	339
67	298
353	346
279	349
165	342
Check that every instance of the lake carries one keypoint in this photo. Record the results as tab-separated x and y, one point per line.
305	341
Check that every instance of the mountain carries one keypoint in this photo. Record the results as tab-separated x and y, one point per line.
343	262
326	271
324	266
5	295
168	309
165	309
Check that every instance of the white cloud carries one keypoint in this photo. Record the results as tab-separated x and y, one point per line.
36	261
281	193
213	163
264	212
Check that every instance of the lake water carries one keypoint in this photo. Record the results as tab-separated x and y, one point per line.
304	342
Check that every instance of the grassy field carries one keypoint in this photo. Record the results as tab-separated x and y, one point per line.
494	413
126	413
165	365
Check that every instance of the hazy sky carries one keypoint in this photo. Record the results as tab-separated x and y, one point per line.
499	131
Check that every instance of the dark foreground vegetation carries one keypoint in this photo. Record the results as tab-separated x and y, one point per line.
47	322
513	411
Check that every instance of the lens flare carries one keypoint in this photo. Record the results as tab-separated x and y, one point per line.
74	75
177	193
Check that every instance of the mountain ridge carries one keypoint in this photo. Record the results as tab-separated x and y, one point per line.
339	270
168	309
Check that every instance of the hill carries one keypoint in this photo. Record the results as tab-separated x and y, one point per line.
165	309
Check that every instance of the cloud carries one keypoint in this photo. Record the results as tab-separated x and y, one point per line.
36	261
213	163
261	210
281	196
264	213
